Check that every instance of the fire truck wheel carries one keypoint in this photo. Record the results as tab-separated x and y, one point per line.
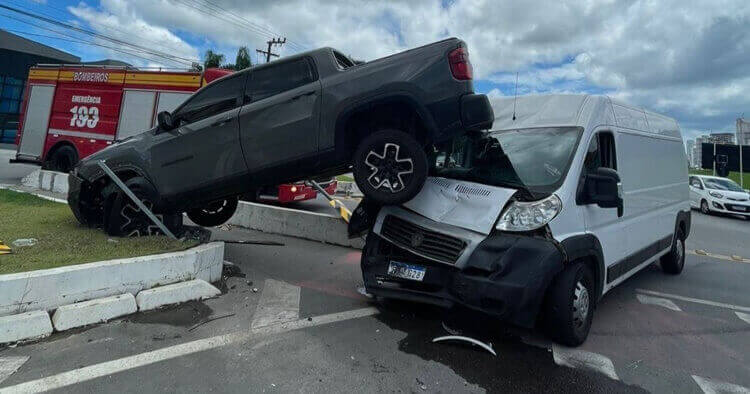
126	219
390	167
62	159
215	213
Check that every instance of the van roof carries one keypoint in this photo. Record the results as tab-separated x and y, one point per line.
587	111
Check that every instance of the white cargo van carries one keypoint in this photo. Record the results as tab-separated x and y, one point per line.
537	219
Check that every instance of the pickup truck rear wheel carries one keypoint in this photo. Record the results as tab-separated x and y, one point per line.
569	305
126	219
215	213
390	167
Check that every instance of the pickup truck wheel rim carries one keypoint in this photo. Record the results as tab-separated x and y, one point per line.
136	223
580	305
388	169
215	207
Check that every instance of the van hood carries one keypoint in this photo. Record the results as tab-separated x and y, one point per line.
468	205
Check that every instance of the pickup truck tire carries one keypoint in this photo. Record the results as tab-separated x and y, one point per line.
390	167
215	213
569	305
125	218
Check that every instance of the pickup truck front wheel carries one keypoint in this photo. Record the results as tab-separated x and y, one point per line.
390	167
125	219
215	213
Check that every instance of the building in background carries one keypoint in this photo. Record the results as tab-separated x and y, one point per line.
743	131
721	138
17	54
698	151
689	146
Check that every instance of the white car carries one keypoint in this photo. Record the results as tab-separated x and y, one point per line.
715	194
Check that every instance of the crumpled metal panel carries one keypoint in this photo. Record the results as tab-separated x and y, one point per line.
468	205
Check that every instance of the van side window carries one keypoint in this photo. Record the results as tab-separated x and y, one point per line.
217	97
272	80
601	152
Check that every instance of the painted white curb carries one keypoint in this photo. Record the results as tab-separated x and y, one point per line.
175	294
308	225
50	181
29	325
52	288
94	311
348	188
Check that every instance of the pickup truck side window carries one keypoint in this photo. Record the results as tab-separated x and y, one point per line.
217	97
275	79
601	152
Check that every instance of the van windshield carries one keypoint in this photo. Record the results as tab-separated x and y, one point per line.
535	160
722	184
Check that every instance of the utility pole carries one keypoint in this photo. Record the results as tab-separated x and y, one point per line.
268	53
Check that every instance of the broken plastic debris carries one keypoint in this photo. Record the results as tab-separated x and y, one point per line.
24	242
466	339
363	291
255	289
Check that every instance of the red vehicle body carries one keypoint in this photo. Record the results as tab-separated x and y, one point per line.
71	111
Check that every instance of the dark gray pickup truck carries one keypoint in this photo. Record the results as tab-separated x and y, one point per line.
313	114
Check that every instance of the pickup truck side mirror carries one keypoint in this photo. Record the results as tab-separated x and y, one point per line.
603	188
164	118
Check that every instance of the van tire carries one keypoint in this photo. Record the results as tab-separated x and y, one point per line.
673	262
125	219
704	207
569	305
63	159
214	213
405	162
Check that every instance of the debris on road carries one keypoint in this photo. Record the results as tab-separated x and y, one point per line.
4	249
473	341
231	270
24	242
255	289
210	319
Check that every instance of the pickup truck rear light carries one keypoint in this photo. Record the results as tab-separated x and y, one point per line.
460	64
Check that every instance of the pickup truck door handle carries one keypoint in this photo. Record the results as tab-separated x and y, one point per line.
220	122
310	93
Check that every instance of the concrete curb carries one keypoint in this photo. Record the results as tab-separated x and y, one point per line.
52	288
348	189
174	294
308	225
51	181
93	311
25	326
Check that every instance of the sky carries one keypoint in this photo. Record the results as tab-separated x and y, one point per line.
687	59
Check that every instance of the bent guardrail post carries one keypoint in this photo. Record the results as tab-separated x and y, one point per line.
135	199
344	212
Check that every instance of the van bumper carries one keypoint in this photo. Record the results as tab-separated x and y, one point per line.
506	276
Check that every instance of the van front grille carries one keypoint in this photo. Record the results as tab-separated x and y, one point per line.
421	241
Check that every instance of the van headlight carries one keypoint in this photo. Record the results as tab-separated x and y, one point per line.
716	194
527	216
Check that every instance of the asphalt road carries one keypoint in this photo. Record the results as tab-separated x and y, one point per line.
352	343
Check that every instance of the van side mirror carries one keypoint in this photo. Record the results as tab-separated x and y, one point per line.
603	188
164	118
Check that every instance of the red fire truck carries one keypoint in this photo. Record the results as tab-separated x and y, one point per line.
72	111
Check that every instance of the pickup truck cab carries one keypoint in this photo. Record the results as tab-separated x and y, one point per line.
308	115
536	220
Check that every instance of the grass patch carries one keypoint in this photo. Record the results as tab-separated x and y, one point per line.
735	176
61	240
344	178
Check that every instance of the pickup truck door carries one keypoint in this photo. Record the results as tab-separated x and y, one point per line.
204	150
281	114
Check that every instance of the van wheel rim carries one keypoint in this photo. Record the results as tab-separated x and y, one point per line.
580	305
388	169
680	251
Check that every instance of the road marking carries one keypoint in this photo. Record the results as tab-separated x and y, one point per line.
658	301
711	386
9	365
732	258
575	358
139	360
695	300
279	303
743	316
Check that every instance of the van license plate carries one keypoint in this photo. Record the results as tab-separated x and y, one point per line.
406	271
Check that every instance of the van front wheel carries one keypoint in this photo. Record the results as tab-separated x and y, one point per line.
569	305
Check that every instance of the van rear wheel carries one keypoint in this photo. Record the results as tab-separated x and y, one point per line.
569	305
674	261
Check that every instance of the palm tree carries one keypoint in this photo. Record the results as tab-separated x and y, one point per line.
243	59
212	59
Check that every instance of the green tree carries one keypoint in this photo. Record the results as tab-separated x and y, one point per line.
212	59
243	59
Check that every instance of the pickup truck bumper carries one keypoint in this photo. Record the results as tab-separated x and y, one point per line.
506	276
476	112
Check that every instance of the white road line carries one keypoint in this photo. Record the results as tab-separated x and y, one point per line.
278	303
9	365
658	301
695	300
710	386
581	359
139	360
744	316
